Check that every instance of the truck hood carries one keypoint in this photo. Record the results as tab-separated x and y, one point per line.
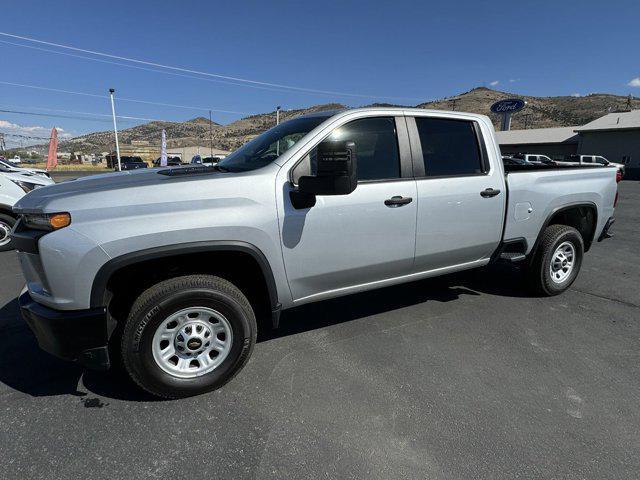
125	189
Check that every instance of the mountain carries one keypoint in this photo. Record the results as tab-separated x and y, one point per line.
540	112
181	134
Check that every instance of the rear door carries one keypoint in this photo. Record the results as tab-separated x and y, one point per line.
461	193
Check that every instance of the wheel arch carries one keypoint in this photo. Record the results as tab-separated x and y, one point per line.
572	216
100	294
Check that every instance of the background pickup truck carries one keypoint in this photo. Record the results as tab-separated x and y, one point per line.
591	160
170	268
131	163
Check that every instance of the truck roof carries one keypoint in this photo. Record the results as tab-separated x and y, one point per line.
409	110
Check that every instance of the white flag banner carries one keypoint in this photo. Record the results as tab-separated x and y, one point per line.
163	152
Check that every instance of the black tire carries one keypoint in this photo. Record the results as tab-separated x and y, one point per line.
6	221
170	296
539	271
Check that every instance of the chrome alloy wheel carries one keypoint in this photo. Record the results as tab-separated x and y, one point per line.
562	262
192	342
5	233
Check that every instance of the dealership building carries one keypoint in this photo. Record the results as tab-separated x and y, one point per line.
615	136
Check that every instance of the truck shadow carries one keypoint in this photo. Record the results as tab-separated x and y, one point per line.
28	369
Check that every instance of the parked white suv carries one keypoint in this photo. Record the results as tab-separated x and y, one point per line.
14	186
16	169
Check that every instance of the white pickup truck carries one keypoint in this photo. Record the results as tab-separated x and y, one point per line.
590	161
170	268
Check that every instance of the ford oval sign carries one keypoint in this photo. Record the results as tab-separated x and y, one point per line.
508	106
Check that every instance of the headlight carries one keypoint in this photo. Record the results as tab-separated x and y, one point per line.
47	221
26	186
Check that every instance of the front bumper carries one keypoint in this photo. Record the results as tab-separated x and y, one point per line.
78	335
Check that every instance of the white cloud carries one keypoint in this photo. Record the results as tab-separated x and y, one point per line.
634	82
494	83
43	134
576	95
511	80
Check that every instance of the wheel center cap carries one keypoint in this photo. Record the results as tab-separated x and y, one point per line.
194	343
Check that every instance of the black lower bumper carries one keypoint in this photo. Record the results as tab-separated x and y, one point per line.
605	231
78	335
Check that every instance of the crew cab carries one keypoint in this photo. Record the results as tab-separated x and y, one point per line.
171	268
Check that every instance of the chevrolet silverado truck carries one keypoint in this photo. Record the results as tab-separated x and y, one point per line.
168	270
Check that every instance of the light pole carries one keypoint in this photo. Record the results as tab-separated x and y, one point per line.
115	127
210	137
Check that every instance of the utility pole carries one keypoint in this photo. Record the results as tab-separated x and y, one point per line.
115	127
210	137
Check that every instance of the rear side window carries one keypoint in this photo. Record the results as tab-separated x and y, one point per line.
449	147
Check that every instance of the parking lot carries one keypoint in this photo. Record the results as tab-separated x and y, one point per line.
464	376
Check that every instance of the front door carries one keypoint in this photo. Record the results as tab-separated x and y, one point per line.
347	241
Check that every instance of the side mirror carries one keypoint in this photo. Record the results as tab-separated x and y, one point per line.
336	172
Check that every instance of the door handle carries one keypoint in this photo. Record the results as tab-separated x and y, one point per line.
489	192
397	201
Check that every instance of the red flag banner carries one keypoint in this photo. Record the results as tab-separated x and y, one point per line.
52	159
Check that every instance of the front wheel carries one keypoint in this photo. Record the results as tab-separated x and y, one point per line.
6	224
188	335
557	261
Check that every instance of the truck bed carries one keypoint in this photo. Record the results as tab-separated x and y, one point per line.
536	192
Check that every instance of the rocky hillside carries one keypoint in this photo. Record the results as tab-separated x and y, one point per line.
540	112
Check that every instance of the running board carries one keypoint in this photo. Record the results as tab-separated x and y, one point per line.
512	256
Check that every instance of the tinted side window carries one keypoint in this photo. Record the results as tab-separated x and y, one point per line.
376	147
449	147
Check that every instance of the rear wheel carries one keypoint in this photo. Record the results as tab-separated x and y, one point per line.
6	224
557	261
188	335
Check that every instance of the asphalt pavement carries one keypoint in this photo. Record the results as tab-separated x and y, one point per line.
465	376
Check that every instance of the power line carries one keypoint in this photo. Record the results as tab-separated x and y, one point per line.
126	117
28	137
37	114
137	67
244	81
85	94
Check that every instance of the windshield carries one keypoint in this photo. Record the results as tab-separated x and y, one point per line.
265	148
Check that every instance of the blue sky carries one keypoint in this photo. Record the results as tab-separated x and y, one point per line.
416	51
